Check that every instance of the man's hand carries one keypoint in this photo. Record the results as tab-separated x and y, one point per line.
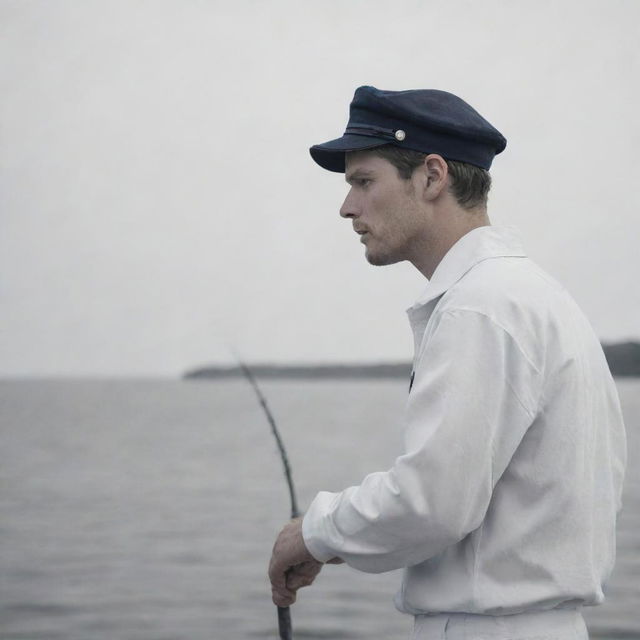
291	566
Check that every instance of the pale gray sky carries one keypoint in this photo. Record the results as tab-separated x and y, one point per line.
158	203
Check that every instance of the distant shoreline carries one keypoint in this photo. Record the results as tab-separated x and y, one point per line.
623	359
320	371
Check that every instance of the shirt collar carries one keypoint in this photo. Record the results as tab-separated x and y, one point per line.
475	246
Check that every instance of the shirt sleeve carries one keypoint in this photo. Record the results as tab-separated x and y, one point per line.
474	395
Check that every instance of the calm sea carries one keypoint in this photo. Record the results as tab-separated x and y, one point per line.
147	509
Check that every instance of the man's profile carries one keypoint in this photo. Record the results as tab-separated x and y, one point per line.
502	508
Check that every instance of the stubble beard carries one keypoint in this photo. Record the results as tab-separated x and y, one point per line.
380	259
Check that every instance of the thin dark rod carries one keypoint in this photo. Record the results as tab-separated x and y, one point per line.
276	434
284	614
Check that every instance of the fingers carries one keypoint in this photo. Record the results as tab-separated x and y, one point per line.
303	575
292	566
281	595
288	551
282	598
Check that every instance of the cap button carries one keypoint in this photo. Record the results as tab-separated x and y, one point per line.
400	135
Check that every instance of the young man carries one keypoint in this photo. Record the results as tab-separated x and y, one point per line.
502	509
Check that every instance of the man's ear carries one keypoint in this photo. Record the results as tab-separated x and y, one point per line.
435	176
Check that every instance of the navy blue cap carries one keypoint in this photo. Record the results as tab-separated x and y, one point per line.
425	120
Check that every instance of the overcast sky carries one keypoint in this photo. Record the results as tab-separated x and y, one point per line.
158	203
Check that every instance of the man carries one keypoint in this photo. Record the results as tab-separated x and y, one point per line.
502	509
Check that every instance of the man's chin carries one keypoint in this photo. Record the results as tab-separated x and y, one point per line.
379	259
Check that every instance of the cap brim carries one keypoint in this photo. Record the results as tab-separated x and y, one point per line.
330	155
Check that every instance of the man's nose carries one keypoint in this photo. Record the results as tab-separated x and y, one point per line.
348	208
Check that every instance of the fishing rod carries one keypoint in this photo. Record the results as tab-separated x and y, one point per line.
284	613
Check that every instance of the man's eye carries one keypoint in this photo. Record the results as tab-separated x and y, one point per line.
364	182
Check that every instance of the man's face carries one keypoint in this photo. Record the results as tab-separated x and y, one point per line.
384	208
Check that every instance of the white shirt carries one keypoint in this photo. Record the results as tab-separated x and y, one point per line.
505	499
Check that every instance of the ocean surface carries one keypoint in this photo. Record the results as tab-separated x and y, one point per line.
147	509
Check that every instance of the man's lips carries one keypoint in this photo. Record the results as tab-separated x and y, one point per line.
361	231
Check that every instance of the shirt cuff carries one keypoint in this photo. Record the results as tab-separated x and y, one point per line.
317	527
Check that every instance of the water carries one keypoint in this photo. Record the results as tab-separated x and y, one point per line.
147	509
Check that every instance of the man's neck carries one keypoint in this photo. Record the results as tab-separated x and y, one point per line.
455	225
